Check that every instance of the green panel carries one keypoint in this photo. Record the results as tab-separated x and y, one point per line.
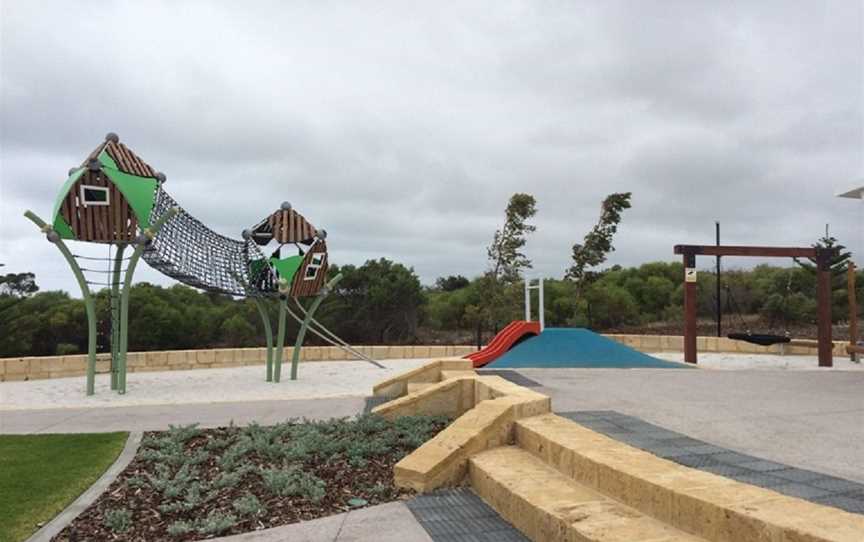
140	192
65	190
287	267
106	159
61	227
255	267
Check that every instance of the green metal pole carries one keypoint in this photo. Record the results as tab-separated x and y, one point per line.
298	344
149	234
115	313
89	305
280	340
268	333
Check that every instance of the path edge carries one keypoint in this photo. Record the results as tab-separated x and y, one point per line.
64	518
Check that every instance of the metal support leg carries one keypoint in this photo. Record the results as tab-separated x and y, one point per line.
298	344
115	314
124	298
89	305
268	334
280	339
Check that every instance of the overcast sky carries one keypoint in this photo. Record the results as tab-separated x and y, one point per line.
403	128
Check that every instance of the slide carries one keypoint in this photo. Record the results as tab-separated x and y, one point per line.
576	347
504	341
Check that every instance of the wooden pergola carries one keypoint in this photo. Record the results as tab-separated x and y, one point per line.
822	256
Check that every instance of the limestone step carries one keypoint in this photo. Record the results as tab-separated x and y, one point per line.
417	386
714	507
448	374
548	506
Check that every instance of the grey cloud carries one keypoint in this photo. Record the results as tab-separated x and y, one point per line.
403	129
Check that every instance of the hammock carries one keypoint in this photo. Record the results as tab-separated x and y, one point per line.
762	339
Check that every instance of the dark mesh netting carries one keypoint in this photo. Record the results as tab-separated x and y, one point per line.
187	250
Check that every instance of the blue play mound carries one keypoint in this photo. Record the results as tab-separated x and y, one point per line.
565	347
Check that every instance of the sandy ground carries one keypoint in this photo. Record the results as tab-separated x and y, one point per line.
316	380
724	361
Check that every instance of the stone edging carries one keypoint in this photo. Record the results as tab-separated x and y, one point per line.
43	367
64	518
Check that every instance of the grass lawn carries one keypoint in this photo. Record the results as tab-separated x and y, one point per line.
41	474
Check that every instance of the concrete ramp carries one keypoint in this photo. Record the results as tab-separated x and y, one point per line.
577	347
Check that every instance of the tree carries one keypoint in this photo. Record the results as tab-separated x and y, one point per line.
451	283
506	262
839	263
378	302
598	242
505	257
18	285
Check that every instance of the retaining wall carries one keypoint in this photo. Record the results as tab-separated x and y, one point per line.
37	368
675	343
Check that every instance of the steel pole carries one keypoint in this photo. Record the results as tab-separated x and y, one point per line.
280	339
149	233
89	305
268	333
298	344
115	313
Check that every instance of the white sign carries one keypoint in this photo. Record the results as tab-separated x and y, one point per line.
690	274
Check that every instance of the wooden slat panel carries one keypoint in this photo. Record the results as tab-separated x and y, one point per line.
124	219
289	227
305	288
119	229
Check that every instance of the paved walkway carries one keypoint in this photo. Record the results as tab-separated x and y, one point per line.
391	522
158	417
807	419
730	361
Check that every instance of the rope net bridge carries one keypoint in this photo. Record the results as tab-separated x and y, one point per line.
116	198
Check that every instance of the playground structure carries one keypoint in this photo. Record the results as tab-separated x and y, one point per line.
529	344
822	256
117	199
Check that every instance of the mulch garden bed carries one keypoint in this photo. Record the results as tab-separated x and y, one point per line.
191	484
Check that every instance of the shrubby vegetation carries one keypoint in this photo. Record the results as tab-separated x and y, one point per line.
383	302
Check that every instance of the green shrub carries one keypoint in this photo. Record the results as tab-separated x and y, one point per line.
248	505
215	523
180	527
293	482
118	520
66	349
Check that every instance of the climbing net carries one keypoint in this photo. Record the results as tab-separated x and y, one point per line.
190	252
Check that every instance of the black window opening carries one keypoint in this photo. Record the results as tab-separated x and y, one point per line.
94	195
315	264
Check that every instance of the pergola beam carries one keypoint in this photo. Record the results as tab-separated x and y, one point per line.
766	252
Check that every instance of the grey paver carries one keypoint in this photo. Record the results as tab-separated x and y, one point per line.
459	514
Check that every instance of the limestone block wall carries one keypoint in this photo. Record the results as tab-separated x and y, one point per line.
675	343
37	368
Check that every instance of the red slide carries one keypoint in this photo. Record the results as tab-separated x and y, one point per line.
503	341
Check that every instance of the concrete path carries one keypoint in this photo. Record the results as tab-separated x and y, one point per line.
238	384
729	361
807	419
391	522
158	417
